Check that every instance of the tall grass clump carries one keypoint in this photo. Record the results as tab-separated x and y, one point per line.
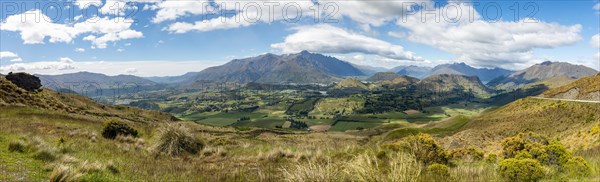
176	140
313	170
383	166
64	173
17	146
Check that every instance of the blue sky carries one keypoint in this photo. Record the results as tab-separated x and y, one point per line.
163	37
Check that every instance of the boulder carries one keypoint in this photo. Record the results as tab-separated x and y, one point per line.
25	81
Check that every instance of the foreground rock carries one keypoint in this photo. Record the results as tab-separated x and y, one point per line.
25	81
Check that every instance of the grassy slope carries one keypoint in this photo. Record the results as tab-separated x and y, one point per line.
11	95
553	118
235	155
585	85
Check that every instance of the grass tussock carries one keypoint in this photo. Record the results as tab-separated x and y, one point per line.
17	146
176	140
367	166
277	155
313	171
64	173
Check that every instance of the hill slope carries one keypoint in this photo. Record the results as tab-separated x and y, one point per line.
303	67
413	71
445	83
11	95
351	83
383	76
587	88
552	118
540	72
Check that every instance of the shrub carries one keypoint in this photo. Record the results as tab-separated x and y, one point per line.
17	146
25	81
470	153
523	155
491	158
595	130
424	148
512	146
577	166
521	170
439	172
112	128
556	154
175	140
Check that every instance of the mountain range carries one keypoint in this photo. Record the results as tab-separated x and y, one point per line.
312	68
542	73
414	71
93	78
303	67
484	74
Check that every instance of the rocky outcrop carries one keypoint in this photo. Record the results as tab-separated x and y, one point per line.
25	81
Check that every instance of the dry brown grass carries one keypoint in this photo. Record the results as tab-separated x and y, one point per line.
63	173
176	140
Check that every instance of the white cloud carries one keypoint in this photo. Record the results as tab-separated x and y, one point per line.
131	70
399	35
63	64
13	56
246	13
171	10
119	7
79	50
373	13
35	31
120	50
66	60
34	27
8	54
16	60
86	3
366	13
597	7
325	38
144	68
379	61
210	25
595	41
482	43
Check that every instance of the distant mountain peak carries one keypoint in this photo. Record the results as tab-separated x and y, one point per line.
303	67
484	74
542	72
547	63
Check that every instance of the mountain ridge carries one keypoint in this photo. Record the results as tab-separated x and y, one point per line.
540	72
303	67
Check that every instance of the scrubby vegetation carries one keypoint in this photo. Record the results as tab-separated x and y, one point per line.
114	128
526	153
521	169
